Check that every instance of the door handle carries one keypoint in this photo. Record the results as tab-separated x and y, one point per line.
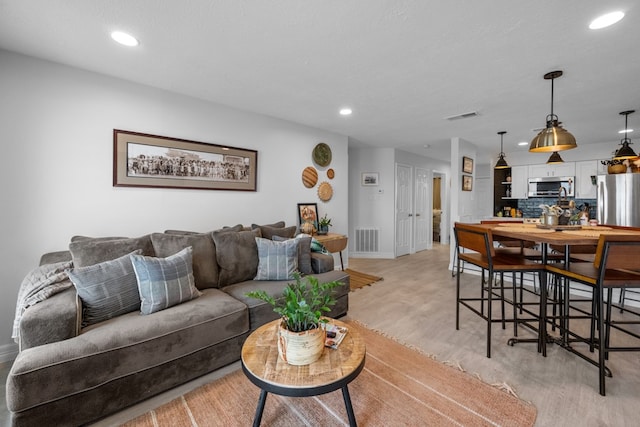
417	214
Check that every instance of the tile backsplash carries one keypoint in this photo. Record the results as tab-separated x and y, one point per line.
531	207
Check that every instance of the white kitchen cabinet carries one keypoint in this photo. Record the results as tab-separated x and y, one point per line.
562	169
519	182
585	188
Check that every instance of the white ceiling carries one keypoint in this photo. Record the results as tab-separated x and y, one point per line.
403	66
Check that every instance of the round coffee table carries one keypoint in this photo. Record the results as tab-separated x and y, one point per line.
334	370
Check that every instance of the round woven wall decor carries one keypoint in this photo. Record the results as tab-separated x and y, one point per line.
309	176
325	191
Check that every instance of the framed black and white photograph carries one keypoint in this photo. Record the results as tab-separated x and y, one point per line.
467	164
370	178
308	212
143	160
467	183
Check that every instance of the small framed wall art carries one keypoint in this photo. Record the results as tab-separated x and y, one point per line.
467	165
370	178
467	183
308	215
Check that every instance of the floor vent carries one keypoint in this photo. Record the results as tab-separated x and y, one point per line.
367	239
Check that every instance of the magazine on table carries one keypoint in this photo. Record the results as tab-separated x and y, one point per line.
335	335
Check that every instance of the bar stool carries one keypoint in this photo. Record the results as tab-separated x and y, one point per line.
479	240
615	260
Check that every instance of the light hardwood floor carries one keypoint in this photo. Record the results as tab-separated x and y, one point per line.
415	303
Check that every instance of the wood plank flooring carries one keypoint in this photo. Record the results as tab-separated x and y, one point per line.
416	304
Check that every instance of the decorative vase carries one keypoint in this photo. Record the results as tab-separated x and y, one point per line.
300	348
307	227
619	168
323	229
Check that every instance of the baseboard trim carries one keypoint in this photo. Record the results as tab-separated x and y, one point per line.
382	255
8	352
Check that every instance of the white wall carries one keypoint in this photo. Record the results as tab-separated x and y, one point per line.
375	206
57	149
372	206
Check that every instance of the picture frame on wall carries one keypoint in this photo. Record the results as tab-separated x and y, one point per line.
370	178
308	212
467	164
467	183
145	160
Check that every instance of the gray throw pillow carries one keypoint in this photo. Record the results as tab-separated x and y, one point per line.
276	260
164	282
237	255
94	251
279	224
205	266
107	289
268	232
304	252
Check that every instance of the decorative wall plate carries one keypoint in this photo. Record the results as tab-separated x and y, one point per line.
325	191
309	176
331	173
322	154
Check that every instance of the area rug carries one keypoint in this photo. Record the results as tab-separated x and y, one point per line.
358	280
399	386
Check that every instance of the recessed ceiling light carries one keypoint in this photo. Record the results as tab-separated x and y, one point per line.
345	111
523	143
124	38
625	131
606	20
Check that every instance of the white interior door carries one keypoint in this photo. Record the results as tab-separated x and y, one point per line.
403	210
421	210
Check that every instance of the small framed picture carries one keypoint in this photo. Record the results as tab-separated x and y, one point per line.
308	212
467	183
467	165
370	178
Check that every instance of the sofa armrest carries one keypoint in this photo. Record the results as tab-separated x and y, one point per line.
321	263
54	319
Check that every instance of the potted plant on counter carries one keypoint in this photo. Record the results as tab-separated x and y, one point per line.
301	337
323	225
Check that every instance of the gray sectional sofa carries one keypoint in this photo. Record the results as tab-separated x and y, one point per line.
75	366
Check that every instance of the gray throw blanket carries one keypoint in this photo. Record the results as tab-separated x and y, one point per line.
38	285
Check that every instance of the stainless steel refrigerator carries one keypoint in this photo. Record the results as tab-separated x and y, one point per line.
619	199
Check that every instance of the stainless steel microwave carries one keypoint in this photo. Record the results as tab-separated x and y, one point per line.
549	186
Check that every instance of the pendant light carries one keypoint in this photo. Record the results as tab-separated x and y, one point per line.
553	137
625	152
554	159
502	163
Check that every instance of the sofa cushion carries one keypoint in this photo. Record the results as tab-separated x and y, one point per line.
205	266
237	255
164	282
94	251
125	348
279	224
304	252
107	289
276	260
269	232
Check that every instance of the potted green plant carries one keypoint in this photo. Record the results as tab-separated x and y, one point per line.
302	305
323	224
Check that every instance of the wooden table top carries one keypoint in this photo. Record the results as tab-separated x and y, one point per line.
261	360
332	241
587	235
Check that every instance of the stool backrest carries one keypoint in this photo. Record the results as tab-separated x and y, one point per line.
620	251
475	238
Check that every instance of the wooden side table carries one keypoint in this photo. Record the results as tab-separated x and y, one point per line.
334	370
334	243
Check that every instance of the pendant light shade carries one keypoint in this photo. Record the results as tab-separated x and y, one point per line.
502	163
625	152
554	137
555	158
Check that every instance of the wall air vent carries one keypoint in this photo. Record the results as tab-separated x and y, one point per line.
462	116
